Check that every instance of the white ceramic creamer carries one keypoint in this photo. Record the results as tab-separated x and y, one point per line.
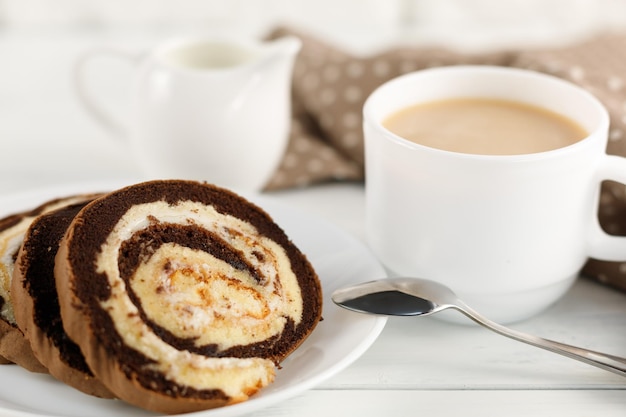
213	109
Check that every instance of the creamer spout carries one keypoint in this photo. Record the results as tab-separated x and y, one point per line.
285	46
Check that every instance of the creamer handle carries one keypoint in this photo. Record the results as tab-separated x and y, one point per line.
112	124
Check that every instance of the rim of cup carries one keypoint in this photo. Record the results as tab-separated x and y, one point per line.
373	113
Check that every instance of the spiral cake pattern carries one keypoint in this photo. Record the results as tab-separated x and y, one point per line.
183	296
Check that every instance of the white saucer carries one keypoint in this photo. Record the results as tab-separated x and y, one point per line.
338	340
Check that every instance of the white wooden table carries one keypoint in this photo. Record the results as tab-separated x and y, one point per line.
418	366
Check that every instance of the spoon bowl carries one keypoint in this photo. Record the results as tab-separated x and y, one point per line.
422	297
397	297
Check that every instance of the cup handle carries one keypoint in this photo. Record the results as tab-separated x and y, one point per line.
93	107
604	246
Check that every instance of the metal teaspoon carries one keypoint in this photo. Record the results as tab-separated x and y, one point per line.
422	297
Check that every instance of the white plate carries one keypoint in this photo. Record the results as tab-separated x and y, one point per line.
338	340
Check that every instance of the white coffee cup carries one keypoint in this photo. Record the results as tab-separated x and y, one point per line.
206	108
509	234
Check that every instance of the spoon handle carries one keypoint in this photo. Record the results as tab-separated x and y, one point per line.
605	361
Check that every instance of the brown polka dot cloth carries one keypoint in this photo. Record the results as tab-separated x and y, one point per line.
330	87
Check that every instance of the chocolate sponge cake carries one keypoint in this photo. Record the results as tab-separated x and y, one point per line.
36	305
183	296
13	345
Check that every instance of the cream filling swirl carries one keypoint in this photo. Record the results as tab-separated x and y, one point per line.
193	294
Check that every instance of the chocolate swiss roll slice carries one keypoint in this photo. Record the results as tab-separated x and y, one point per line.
36	304
183	296
14	347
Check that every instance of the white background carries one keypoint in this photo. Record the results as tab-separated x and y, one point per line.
362	23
